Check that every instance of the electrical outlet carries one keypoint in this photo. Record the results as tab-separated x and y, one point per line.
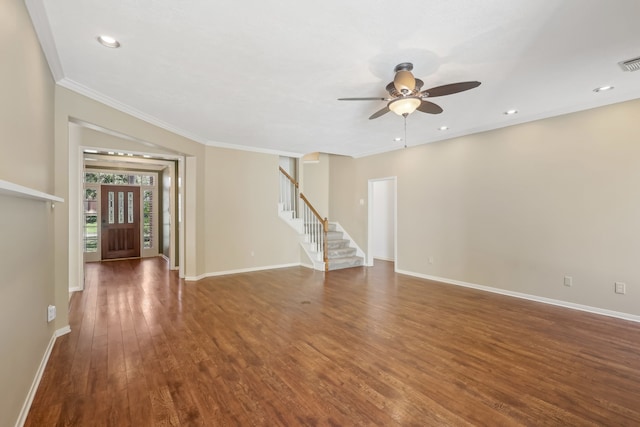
51	313
430	260
568	281
621	288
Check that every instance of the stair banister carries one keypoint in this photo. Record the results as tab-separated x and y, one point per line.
293	181
315	226
319	237
288	192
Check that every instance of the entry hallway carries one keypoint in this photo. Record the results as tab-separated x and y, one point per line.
361	346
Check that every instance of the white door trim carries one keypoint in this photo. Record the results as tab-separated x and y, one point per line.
369	260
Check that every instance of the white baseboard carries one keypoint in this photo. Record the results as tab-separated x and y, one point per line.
241	270
381	258
63	331
24	412
560	303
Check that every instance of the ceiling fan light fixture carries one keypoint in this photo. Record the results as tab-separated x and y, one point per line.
404	81
402	106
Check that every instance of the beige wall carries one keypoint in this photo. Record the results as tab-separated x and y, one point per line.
517	208
26	261
26	104
314	183
243	229
68	157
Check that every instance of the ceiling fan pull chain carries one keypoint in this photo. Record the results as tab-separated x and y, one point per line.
405	130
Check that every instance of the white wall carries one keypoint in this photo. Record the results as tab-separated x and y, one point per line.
383	207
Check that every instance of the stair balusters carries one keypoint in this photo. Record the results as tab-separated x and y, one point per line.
288	193
315	227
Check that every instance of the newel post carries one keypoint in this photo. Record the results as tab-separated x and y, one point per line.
325	249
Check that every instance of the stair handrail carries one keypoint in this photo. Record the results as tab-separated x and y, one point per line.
293	181
325	230
289	191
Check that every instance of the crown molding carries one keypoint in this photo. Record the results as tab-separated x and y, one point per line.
104	99
117	105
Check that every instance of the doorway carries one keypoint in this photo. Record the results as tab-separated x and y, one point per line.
120	207
382	219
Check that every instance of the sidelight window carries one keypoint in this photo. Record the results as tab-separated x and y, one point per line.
147	218
124	212
90	223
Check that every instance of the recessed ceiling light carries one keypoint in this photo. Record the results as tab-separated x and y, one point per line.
146	156
108	41
111	152
603	89
120	154
397	139
91	151
511	112
443	128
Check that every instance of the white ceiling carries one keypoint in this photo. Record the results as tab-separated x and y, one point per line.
266	75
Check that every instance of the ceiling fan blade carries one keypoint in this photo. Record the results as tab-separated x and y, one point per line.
429	107
449	89
379	113
362	99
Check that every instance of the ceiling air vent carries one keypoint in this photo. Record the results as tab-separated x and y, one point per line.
630	65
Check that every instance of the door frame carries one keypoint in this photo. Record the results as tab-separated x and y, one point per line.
370	215
179	181
156	249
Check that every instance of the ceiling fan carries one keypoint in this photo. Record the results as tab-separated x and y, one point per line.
405	95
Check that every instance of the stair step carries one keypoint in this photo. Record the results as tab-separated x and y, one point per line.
341	252
346	262
332	226
334	235
337	244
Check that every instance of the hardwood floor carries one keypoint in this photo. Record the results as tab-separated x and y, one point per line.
361	346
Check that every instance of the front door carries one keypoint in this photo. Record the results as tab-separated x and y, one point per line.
120	221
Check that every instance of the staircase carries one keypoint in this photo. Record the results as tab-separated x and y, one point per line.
327	244
339	250
342	251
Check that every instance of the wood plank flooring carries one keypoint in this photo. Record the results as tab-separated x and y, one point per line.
355	347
